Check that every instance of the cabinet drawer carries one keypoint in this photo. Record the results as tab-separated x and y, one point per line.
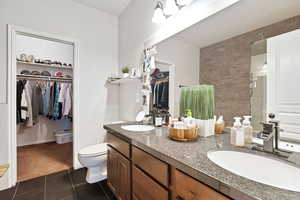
144	188
154	167
187	188
118	144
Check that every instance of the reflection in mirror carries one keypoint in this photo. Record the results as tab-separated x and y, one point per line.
159	100
253	74
258	78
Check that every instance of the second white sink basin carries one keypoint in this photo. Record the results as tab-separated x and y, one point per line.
258	168
138	128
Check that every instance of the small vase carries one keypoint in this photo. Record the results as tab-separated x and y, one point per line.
125	75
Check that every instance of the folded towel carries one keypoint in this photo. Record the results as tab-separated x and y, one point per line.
200	100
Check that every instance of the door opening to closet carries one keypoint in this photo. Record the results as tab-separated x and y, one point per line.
44	102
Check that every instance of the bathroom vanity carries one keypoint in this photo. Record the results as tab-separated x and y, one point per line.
150	166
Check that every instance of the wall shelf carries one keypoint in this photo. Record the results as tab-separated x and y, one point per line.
123	80
43	65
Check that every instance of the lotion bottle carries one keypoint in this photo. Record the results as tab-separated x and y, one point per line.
237	134
248	130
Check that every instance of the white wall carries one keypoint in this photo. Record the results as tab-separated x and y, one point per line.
133	32
97	33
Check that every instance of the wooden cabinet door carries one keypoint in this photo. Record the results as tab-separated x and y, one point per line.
144	188
187	188
124	178
118	174
112	170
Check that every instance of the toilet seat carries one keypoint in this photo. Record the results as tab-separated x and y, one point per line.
94	150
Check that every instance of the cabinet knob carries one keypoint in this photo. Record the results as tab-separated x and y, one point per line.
179	198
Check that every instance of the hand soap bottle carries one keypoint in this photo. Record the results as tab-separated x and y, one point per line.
248	130
237	134
220	125
189	120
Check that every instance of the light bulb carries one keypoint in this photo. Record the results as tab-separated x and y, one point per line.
158	16
183	2
171	7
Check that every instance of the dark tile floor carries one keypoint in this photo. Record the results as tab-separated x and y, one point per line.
66	185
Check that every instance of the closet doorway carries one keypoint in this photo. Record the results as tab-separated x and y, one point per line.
43	103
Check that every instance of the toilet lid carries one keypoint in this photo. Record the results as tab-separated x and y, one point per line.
94	150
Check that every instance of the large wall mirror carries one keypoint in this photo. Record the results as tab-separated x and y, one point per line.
253	73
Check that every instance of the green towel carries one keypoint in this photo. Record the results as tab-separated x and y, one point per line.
200	100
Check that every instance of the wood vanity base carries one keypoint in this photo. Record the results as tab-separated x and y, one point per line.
133	174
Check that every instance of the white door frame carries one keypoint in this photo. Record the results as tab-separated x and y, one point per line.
13	31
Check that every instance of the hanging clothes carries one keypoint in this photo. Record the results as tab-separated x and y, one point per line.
68	102
37	102
28	97
160	91
24	107
46	99
55	114
20	97
65	99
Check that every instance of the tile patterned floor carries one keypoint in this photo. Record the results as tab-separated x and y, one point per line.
66	185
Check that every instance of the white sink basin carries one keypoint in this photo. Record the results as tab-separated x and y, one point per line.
257	168
138	128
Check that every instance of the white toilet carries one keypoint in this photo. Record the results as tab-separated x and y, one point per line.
94	158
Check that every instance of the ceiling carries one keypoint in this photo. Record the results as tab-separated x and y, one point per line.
115	7
245	16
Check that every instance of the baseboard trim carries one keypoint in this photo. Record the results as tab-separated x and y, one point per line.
38	142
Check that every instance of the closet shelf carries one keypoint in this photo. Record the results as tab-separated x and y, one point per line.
123	80
44	78
44	65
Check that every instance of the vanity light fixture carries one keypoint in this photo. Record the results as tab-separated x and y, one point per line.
171	7
161	13
183	2
159	16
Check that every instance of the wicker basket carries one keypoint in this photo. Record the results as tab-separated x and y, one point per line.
183	135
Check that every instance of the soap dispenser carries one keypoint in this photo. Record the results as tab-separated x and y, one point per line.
248	130
220	125
189	120
237	133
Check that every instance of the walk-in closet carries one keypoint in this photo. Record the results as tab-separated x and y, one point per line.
44	103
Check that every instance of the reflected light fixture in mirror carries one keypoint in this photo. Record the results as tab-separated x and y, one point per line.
159	16
171	8
183	2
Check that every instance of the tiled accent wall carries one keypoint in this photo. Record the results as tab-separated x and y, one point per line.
226	65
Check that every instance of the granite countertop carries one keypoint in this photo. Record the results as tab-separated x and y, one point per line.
192	159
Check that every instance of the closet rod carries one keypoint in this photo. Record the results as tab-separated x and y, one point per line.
43	78
184	86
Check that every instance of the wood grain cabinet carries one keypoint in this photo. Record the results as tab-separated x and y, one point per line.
118	174
187	188
157	169
135	174
145	188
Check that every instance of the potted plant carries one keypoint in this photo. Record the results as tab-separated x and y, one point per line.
125	71
200	100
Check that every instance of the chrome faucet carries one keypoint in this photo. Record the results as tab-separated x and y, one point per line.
271	136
